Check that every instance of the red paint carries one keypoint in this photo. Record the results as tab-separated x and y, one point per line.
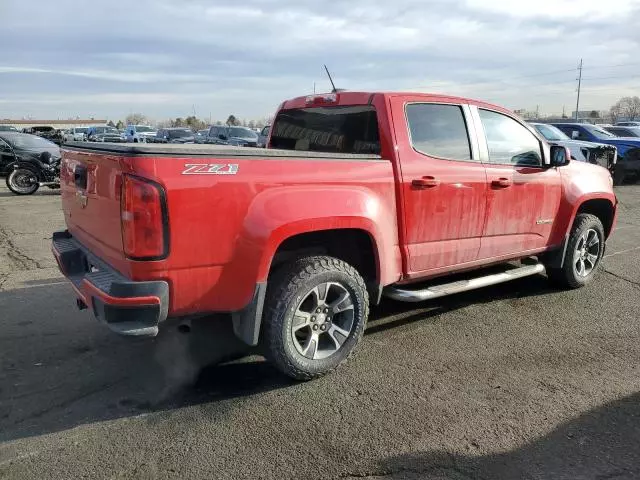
425	216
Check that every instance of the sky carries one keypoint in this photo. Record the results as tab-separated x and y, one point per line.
167	58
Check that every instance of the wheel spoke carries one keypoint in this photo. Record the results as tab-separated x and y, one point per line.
594	240
300	320
580	267
321	292
592	259
311	348
340	306
341	336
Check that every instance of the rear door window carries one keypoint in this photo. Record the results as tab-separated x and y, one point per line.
340	129
439	130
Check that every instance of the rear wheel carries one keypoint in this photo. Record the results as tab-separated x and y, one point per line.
23	181
316	314
583	255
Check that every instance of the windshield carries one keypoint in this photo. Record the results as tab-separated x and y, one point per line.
8	128
598	132
143	128
81	130
551	133
265	131
27	141
180	133
242	132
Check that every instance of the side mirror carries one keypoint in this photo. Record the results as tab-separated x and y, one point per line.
575	134
560	156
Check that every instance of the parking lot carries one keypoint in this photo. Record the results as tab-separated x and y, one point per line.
515	381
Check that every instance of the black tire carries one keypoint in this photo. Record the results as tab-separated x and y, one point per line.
568	276
289	289
13	185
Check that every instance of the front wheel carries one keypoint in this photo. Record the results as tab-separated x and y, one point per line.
317	309
23	181
583	255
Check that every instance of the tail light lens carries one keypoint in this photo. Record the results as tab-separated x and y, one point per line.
143	212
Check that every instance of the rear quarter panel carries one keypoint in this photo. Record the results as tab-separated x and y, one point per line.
225	229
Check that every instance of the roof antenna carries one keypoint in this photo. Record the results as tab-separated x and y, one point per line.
334	89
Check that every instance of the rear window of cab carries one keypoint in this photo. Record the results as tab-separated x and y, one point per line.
338	129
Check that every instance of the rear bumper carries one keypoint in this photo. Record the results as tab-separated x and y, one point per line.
126	307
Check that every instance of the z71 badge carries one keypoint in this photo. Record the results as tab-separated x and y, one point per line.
210	169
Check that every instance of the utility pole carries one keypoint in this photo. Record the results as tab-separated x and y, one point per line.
579	85
537	112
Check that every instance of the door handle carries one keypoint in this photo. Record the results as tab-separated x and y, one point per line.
425	182
501	183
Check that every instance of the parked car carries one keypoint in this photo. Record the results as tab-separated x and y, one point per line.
174	135
236	136
76	134
28	162
8	128
139	133
104	133
628	124
623	131
263	137
596	153
628	164
360	196
47	132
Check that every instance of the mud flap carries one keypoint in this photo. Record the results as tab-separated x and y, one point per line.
555	259
246	322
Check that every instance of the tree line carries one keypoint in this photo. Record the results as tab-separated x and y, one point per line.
191	122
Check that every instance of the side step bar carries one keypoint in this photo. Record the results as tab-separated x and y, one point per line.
404	295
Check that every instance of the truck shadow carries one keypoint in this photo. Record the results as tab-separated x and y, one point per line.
599	444
60	369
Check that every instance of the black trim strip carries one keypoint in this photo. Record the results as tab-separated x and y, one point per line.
212	151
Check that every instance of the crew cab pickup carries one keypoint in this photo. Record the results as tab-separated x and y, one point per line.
358	196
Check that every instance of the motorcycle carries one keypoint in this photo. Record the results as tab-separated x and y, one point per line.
25	177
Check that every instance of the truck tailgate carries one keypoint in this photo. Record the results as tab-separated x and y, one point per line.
90	189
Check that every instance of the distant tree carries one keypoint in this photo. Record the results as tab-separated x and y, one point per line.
631	107
120	125
136	119
615	112
252	124
195	123
627	107
178	122
232	120
111	124
594	114
218	122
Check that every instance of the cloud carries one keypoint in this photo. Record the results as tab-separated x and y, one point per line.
165	57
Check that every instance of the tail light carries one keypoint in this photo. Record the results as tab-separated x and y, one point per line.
143	210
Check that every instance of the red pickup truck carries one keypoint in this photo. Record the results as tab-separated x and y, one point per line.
359	196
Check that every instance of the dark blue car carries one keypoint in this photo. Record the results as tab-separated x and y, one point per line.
628	147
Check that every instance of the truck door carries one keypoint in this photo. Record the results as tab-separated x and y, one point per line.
443	184
523	194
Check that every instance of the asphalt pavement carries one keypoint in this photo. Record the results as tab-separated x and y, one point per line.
517	381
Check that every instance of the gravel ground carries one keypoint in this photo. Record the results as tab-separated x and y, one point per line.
517	381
